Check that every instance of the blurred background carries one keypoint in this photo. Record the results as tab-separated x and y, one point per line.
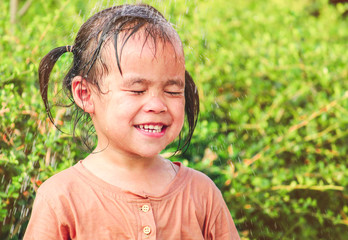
272	132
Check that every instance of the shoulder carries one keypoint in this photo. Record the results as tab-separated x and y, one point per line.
201	180
53	210
60	183
202	188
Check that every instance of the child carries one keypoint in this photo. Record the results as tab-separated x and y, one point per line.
129	76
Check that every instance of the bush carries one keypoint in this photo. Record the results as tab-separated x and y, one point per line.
272	132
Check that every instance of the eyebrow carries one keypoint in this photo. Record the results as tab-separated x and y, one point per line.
134	81
175	82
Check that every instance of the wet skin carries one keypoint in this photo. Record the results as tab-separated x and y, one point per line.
136	114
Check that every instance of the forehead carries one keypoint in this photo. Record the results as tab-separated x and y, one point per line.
145	62
143	46
157	49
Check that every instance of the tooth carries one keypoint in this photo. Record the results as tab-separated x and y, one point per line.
141	126
146	126
151	126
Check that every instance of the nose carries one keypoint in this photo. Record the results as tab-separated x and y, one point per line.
155	104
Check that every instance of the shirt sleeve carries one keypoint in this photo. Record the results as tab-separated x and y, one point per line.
44	222
224	227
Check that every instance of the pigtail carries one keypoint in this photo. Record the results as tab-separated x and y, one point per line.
45	69
191	109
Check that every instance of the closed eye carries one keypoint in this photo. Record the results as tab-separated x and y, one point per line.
137	92
175	93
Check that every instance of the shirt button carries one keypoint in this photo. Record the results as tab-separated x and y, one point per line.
147	230
145	208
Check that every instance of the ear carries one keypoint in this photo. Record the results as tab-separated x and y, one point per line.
82	94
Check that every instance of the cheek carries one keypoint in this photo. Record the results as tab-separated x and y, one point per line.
180	113
124	107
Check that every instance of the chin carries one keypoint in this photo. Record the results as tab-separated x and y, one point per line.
149	150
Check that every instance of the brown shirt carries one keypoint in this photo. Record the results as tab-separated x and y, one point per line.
75	204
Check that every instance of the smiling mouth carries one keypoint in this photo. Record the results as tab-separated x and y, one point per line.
151	128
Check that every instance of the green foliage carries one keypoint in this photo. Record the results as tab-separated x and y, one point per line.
272	133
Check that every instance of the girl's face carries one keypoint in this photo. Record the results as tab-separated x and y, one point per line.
142	111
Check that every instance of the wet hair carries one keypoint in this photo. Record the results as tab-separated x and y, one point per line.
113	24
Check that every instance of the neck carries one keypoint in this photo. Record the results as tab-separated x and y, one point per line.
132	173
112	158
